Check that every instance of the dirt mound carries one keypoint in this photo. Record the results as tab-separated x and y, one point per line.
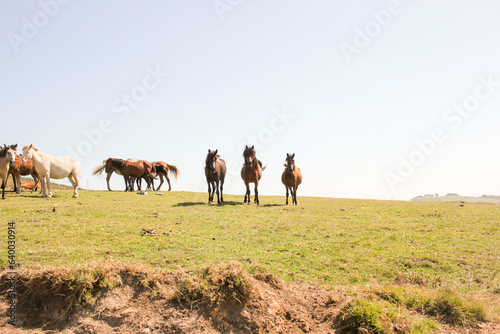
223	298
116	298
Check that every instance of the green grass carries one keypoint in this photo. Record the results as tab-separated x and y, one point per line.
331	241
326	242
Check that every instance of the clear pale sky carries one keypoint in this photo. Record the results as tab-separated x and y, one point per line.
377	99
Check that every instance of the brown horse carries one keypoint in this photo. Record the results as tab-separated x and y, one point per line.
162	170
130	169
251	172
19	169
291	177
215	172
7	158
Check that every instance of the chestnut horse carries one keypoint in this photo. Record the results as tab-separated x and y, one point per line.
215	172
251	172
48	167
130	169
7	157
291	177
22	169
162	170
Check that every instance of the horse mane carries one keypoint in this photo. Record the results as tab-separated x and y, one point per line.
3	152
117	163
35	148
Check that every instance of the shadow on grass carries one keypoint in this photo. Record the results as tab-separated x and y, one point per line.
185	204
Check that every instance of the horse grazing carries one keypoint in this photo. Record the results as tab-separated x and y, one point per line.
162	170
130	169
215	172
251	172
291	177
49	167
19	169
7	157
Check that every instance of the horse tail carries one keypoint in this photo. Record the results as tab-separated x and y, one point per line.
99	169
262	167
174	170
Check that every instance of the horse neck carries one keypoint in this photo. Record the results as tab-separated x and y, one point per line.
37	156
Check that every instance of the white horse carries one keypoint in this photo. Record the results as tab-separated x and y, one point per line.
49	167
7	157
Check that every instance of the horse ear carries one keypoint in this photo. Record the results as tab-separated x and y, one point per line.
253	146
216	151
246	147
14	147
31	146
209	150
293	155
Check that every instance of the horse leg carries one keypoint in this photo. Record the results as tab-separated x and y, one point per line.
126	183
107	180
35	178
168	181
217	190
131	183
74	181
295	195
49	194
4	181
42	186
286	195
247	193
256	200
161	182
139	183
208	182
221	187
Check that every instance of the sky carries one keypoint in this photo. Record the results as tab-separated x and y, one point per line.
377	99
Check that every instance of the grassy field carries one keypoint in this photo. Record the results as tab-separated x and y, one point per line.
324	242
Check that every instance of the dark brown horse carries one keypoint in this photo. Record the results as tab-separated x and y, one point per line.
19	169
130	169
251	172
162	170
215	171
291	177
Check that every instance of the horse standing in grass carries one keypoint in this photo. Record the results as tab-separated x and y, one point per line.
130	169
291	177
162	170
251	172
19	169
215	171
110	165
49	167
7	158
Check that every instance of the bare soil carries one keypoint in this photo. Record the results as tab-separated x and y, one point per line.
134	306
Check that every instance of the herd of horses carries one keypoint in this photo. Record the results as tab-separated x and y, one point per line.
42	167
134	170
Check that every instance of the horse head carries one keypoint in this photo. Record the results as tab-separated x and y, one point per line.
290	162
10	153
249	155
212	160
27	153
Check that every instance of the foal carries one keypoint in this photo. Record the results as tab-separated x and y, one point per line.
291	177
